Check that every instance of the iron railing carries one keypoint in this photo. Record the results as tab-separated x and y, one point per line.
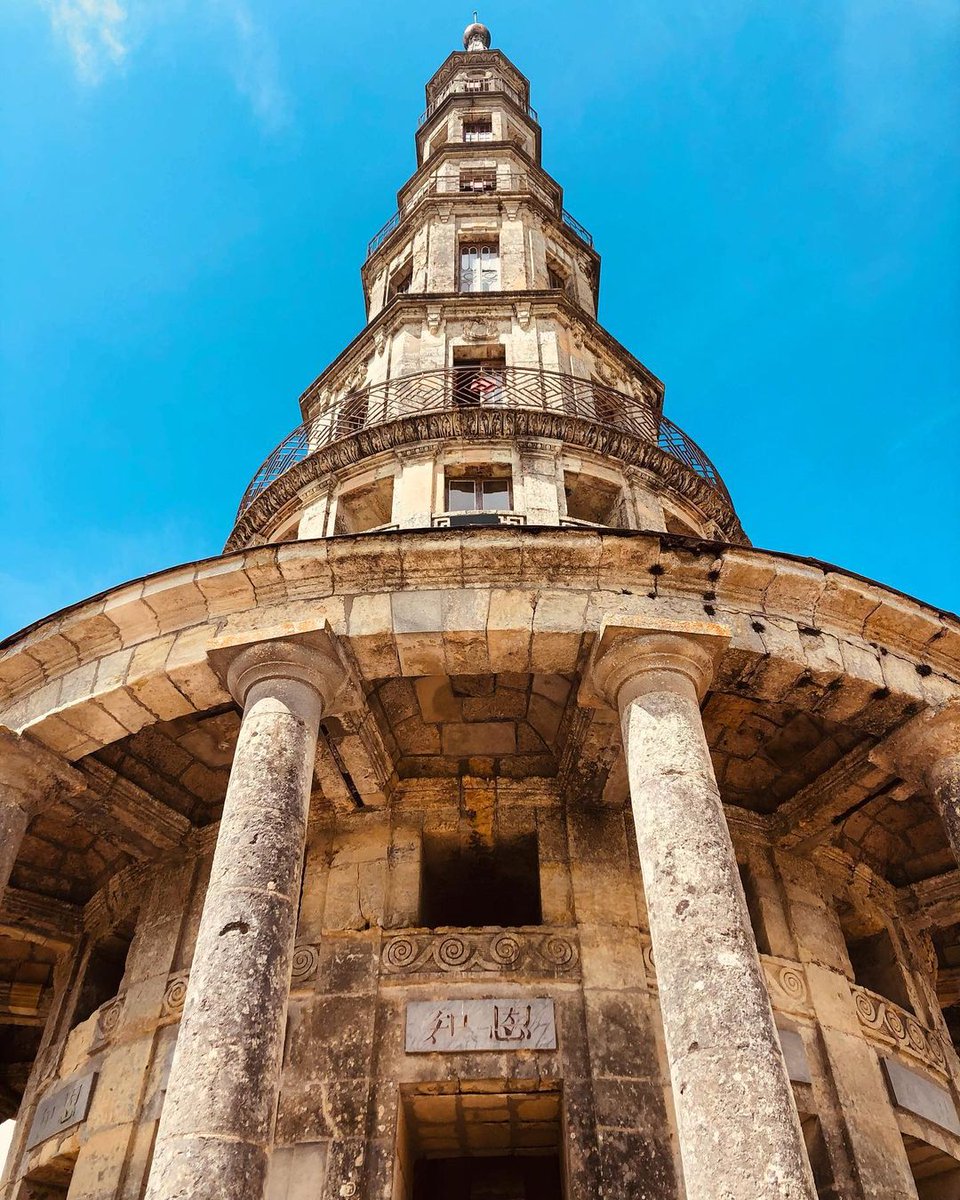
578	229
478	88
470	387
450	185
500	181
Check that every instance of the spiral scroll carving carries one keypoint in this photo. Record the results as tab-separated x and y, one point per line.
108	1019
891	1026
306	962
515	952
175	994
399	953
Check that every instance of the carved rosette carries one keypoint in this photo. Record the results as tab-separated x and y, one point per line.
786	984
108	1019
175	994
894	1028
480	953
306	963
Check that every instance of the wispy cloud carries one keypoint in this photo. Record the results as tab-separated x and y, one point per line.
95	32
100	38
255	66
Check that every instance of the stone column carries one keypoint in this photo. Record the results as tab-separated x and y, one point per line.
926	752
217	1121
738	1127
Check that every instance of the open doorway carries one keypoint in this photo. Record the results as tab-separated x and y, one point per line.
487	1142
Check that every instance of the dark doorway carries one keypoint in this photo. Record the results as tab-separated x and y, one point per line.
505	1178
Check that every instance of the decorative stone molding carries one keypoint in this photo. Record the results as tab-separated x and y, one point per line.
893	1028
175	994
306	964
488	423
787	985
514	952
108	1021
480	331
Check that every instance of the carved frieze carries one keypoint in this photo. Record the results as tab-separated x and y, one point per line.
893	1027
480	953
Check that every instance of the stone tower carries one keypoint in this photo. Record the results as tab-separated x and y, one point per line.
489	820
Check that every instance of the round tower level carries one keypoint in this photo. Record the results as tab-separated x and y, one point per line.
490	819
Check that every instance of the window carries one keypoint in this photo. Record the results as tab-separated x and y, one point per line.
478	129
480	266
103	973
400	281
474	884
478	495
595	501
555	279
478	180
365	508
876	967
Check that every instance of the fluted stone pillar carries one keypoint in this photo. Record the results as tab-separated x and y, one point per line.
739	1132
217	1120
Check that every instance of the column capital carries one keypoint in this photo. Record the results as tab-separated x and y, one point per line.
312	660
921	749
631	658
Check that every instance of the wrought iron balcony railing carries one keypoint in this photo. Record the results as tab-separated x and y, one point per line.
516	181
469	387
474	88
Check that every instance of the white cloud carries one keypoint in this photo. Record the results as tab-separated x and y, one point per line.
255	67
95	32
100	37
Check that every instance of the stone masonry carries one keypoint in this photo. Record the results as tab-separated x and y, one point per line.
490	820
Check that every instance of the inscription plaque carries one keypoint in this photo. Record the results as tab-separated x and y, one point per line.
920	1095
463	1025
61	1109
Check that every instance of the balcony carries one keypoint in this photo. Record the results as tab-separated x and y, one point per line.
479	87
449	185
502	389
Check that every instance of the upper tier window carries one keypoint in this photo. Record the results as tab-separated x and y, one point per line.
478	495
480	267
479	129
478	180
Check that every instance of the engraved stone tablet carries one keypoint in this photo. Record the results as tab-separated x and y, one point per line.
61	1109
918	1094
795	1056
463	1025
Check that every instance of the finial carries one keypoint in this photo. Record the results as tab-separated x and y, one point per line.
476	36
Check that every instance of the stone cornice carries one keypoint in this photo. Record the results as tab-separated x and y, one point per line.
486	423
791	619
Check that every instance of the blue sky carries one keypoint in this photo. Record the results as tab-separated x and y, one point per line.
188	188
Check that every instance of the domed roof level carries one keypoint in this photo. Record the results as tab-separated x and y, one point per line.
476	36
